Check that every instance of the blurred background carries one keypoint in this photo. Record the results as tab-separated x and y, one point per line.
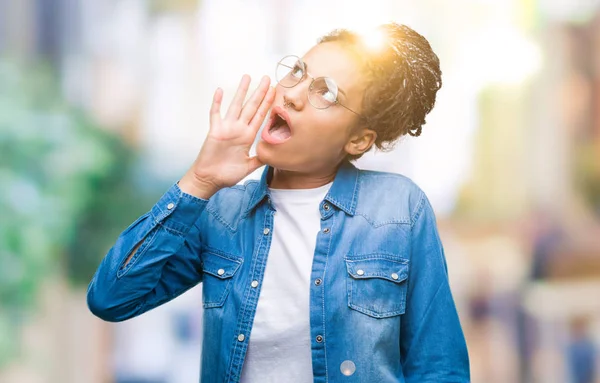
104	104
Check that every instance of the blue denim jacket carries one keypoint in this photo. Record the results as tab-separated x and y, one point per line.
379	297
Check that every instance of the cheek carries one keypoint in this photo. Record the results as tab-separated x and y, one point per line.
328	132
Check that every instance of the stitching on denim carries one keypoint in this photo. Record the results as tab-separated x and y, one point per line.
226	275
140	219
221	300
245	306
382	276
331	231
173	231
382	256
157	217
419	210
400	221
138	254
355	191
350	282
229	256
212	211
337	202
251	201
377	255
191	198
374	314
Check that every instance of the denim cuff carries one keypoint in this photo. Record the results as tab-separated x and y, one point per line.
178	211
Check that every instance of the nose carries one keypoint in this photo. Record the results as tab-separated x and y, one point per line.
296	97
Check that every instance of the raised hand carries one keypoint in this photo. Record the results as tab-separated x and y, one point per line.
224	159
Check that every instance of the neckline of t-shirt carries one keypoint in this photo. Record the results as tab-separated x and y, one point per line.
300	194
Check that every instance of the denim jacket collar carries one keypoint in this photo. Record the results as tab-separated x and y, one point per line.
343	193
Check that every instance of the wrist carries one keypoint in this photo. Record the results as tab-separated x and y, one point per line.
197	187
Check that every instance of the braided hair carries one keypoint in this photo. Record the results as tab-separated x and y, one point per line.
402	80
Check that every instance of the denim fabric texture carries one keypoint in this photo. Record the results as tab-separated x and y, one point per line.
380	299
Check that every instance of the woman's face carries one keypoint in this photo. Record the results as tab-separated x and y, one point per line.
316	139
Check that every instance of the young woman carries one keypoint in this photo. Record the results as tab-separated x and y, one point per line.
319	271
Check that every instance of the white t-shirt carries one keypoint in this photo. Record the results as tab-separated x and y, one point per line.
279	349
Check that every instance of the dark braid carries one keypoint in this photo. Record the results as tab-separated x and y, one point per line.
402	81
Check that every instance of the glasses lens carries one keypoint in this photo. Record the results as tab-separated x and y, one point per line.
290	71
323	93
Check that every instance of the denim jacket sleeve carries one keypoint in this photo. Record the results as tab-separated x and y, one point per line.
432	344
166	263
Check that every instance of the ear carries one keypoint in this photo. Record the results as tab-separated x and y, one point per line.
361	142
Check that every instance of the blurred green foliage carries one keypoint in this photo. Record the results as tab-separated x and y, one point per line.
66	192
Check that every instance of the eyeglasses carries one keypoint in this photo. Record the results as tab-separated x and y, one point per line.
322	91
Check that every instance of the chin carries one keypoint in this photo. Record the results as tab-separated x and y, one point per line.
266	154
276	157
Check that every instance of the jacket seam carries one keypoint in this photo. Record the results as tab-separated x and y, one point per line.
374	224
323	298
419	210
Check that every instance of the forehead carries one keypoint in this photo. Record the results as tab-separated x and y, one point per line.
335	61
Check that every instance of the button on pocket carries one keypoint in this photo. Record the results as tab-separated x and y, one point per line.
376	285
218	272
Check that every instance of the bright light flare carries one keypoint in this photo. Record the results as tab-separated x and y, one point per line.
374	39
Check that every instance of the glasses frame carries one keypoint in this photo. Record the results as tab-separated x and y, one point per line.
310	87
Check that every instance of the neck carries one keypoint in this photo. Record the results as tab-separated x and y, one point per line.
285	179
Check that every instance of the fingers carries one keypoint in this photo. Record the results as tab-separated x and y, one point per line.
238	100
249	110
263	109
215	109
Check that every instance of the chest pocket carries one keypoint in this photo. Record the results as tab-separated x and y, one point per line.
376	285
219	271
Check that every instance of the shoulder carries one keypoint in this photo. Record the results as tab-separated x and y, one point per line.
385	197
229	205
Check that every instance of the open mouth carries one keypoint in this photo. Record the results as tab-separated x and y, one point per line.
278	129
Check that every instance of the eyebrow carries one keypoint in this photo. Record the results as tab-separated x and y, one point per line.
339	88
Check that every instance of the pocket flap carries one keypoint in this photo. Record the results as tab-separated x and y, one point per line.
394	270
220	266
